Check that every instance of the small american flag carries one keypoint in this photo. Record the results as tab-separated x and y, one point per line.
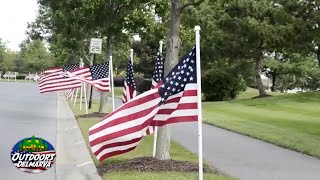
158	71
56	81
156	78
174	101
129	88
96	75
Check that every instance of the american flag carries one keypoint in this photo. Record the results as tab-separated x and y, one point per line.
96	75
69	93
174	101
56	81
158	71
129	88
156	78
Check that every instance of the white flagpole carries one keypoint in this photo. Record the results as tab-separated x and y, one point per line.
85	95
155	133
131	56
197	32
111	79
81	65
76	96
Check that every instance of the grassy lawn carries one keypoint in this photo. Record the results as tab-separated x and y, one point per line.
287	120
144	149
118	92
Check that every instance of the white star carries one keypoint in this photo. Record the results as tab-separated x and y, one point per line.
187	59
168	87
191	78
192	61
176	83
179	77
173	73
187	73
166	93
182	85
171	82
185	79
173	89
174	77
182	71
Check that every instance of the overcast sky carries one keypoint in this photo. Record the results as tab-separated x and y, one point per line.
14	16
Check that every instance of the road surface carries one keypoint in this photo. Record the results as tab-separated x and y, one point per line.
25	112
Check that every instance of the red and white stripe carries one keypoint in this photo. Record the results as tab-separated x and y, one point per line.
128	92
84	74
56	82
122	130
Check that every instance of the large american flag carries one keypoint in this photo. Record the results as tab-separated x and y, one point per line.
56	81
175	100
129	88
96	75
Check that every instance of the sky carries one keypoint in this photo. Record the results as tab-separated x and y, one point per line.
14	16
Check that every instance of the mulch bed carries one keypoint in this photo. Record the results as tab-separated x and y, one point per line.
150	164
93	115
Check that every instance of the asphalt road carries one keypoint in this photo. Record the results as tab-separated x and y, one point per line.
25	112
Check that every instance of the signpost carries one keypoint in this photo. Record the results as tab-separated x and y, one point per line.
95	48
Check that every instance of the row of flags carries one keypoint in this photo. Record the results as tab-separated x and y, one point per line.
171	99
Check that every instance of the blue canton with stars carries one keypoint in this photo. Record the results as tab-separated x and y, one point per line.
182	74
158	72
129	75
100	71
71	67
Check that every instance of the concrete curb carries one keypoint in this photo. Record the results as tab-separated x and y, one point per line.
73	158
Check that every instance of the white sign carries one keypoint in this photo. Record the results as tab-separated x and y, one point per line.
95	45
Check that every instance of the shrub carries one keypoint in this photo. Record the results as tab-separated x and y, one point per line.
219	84
118	80
21	76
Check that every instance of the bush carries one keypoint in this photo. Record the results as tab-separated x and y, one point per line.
21	76
142	84
219	84
118	80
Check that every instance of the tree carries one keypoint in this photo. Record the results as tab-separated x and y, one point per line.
173	43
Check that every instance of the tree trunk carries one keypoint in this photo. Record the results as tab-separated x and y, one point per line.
274	80
318	56
172	53
257	70
104	96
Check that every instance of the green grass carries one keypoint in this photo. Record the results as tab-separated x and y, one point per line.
288	120
160	176
177	152
251	92
118	92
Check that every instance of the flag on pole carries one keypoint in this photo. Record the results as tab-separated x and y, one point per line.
173	101
158	71
129	88
156	78
56	81
96	75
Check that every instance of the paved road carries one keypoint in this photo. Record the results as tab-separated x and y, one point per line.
244	157
24	112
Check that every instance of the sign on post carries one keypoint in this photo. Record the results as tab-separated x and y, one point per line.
95	45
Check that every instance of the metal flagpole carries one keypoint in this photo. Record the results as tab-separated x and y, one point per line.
197	32
111	79
131	56
155	133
